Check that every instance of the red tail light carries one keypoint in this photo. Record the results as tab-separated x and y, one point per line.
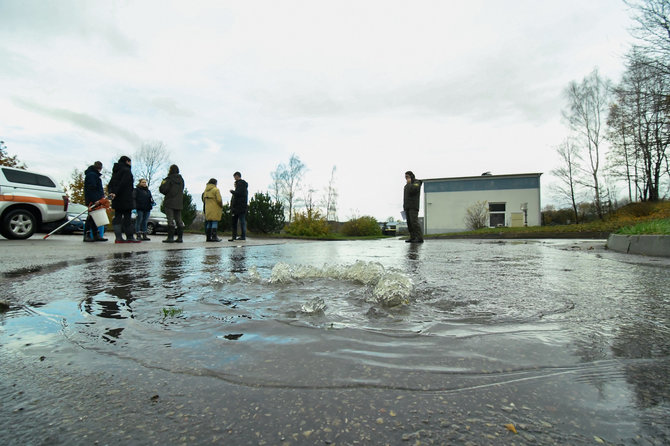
66	202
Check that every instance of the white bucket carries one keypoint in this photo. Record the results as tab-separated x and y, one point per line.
99	217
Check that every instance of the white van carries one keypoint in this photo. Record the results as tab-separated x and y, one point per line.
28	200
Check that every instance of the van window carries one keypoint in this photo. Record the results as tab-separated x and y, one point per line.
23	177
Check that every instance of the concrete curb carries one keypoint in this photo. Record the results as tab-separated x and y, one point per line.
647	245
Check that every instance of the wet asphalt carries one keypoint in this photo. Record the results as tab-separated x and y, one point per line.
44	400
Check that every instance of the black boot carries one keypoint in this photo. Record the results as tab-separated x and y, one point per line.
118	233
144	237
170	236
180	235
208	233
215	238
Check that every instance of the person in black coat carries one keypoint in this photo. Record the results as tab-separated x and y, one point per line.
120	189
239	206
411	195
172	187
144	201
93	191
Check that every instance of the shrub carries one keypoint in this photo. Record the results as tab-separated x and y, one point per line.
308	224
264	215
226	223
476	216
361	226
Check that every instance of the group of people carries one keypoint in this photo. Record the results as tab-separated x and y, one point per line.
126	196
213	207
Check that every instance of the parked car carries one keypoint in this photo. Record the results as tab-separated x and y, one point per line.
394	228
77	221
157	222
27	201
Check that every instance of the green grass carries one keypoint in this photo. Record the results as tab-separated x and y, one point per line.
171	312
659	227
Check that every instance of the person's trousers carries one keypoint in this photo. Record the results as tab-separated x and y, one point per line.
174	218
242	219
123	223
90	225
413	226
141	221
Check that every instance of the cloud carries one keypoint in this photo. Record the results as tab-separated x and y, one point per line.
42	20
80	120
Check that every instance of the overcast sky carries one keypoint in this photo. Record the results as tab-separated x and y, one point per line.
375	88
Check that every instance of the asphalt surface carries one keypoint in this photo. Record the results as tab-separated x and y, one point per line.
57	250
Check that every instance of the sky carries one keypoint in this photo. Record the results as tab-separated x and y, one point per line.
371	88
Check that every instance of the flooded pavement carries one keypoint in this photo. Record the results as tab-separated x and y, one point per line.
377	342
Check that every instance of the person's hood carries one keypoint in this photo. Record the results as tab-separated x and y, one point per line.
209	187
119	166
91	169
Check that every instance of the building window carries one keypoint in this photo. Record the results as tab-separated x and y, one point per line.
496	214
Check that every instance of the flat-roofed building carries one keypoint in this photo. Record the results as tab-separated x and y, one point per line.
511	200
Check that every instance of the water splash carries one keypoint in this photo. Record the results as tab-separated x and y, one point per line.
389	288
314	306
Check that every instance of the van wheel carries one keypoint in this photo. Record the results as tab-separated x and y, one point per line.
19	224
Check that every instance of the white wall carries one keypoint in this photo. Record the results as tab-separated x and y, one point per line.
445	211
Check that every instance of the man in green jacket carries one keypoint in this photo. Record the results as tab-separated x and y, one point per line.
410	205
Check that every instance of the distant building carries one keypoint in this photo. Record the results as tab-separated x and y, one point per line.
512	200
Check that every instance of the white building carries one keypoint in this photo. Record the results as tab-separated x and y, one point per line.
512	200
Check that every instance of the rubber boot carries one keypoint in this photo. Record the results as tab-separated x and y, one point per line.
180	235
170	236
87	232
118	233
208	233
144	237
215	238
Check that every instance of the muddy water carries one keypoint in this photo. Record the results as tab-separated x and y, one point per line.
449	341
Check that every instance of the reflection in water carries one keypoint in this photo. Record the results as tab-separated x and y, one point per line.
211	261
238	259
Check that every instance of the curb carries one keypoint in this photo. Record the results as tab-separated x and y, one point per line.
647	245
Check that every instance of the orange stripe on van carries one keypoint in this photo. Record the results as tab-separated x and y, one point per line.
20	199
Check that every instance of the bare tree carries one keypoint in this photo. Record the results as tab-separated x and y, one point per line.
150	161
623	156
652	29
476	216
640	125
588	102
287	178
330	199
567	173
309	200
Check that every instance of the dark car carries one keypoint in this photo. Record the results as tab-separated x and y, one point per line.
157	222
76	223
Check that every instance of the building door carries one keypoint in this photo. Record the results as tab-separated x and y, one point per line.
496	215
